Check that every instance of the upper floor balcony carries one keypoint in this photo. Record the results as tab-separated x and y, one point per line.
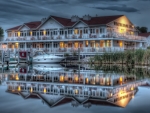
95	36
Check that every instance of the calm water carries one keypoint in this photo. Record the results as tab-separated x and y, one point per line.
12	103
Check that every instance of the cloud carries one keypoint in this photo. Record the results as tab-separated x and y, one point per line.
16	12
122	8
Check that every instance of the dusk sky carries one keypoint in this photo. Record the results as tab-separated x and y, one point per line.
16	12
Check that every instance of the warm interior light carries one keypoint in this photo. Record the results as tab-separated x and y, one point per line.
86	80
102	43
61	44
44	90
120	43
132	88
17	78
76	44
120	79
31	90
30	33
19	88
61	78
111	94
44	32
76	31
76	78
76	91
86	43
19	34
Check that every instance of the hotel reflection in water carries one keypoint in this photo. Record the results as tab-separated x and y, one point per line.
84	87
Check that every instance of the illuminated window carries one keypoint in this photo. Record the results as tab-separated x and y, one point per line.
76	44
86	43
102	43
97	45
76	79
17	78
16	45
31	90
132	33
92	80
120	43
30	33
44	32
19	88
86	80
61	78
122	30
61	44
76	31
18	34
76	91
44	90
92	43
120	80
108	44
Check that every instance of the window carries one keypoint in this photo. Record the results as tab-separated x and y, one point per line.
92	30
47	32
61	44
34	45
41	33
108	43
102	43
76	44
55	45
34	33
85	31
61	32
86	43
28	33
47	45
69	31
28	45
76	31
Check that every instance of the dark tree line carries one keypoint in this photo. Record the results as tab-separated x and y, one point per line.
1	32
142	29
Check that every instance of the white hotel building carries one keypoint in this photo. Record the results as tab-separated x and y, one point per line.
62	35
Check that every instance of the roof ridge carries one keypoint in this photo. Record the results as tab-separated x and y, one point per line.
60	17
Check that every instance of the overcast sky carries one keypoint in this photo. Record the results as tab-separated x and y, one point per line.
16	12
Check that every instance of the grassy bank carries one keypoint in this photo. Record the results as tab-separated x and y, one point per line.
129	57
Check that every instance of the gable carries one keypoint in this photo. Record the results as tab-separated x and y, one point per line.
23	28
51	24
124	21
80	24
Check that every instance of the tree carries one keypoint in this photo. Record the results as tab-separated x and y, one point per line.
142	29
1	32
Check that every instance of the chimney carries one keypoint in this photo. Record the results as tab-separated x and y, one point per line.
43	20
74	18
86	17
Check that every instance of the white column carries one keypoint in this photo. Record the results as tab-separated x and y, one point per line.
52	46
25	46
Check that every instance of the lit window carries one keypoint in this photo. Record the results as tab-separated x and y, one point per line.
61	44
76	31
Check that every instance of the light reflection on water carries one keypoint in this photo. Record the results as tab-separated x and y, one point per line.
15	103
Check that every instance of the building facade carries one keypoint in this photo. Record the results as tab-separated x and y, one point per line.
62	35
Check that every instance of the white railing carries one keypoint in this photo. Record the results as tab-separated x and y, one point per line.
78	36
75	50
125	36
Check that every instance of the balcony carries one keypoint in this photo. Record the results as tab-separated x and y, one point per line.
108	35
